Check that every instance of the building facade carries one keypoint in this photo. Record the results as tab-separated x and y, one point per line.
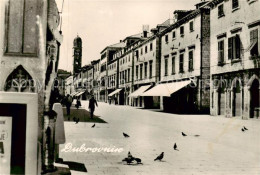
235	58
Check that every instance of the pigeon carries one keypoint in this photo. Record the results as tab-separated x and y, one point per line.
242	130
125	135
129	154
160	157
77	120
138	160
183	134
175	147
128	160
245	128
93	126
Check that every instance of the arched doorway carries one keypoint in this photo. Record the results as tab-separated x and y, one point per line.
254	93
237	100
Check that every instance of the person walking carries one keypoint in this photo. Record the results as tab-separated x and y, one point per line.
91	106
78	104
68	104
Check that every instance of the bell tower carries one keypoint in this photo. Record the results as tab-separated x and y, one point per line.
77	54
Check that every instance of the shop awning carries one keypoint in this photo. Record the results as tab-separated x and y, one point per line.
80	93
114	92
166	89
139	91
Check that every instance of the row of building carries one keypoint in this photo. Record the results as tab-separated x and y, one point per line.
205	60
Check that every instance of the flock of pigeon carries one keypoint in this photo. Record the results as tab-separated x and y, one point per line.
130	159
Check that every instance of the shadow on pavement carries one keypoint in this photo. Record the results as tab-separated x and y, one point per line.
82	114
75	166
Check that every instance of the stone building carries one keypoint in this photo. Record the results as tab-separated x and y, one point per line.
235	49
96	78
106	57
29	58
146	67
184	63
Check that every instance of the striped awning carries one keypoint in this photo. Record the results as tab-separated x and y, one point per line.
166	89
139	91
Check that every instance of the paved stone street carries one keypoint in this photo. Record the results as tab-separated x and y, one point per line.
221	148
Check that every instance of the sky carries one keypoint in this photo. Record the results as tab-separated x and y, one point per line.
100	23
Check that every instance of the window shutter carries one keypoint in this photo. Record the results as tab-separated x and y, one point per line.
237	41
230	50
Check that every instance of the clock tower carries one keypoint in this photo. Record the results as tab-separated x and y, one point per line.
77	47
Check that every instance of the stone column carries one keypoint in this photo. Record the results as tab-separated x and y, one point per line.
247	97
161	103
228	103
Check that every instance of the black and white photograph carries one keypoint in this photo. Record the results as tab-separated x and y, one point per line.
129	87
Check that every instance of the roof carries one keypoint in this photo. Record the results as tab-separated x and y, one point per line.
183	20
117	45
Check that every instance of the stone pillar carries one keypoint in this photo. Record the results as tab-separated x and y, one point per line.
215	103
49	141
161	103
228	103
247	97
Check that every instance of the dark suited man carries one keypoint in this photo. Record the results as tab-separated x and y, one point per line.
91	106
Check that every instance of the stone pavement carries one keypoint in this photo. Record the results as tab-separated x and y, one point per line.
221	148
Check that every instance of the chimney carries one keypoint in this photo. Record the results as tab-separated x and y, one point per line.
145	30
154	31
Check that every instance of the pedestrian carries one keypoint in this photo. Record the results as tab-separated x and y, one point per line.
91	106
78	104
68	104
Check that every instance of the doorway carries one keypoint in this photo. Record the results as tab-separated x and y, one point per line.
254	102
18	139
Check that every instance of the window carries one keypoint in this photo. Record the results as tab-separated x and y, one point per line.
145	70
191	60
128	75
21	30
145	49
151	69
141	51
221	10
137	55
166	65
254	51
173	35
173	65
141	71
136	72
151	46
182	30
181	63
221	51
234	47
234	4
191	26
166	38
